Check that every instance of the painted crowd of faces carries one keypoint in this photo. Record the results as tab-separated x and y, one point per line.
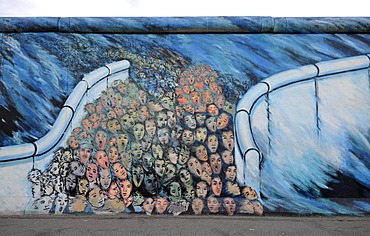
136	152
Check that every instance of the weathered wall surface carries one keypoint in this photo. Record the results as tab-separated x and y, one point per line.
185	115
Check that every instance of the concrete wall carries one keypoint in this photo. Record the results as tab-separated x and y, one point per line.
223	115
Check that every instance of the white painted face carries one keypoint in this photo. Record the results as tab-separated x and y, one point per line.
161	119
139	131
163	136
159	167
105	178
60	203
77	168
190	121
43	204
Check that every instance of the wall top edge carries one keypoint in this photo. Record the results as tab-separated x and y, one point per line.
122	25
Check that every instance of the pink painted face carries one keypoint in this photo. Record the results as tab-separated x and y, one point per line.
91	172
101	139
87	124
207	97
102	159
195	97
73	142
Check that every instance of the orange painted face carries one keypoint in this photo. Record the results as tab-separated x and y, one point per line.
195	97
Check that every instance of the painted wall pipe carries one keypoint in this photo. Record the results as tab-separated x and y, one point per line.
245	146
50	140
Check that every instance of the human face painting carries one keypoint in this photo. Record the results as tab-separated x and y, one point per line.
119	171
201	189
222	121
164	136
91	172
159	167
229	205
150	184
150	127
137	175
170	172
212	143
211	124
102	159
201	153
232	188
127	122
213	204
246	207
113	154
161	119
207	97
249	193
60	202
113	191
43	204
185	177
228	140
105	178
113	125
148	161
227	157
212	109
175	191
172	155
126	188
201	134
177	132
179	112
139	131
187	137
85	154
190	121
258	208
122	140
197	205
230	173
200	118
148	206
216	186
161	205
216	164
87	124
220	101
195	97
71	183
136	150
143	113
101	139
96	197
171	119
189	108
146	143
194	166
83	186
184	155
157	151
73	142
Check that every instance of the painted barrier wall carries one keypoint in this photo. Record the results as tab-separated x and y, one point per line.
223	115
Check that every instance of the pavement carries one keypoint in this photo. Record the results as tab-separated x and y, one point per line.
209	225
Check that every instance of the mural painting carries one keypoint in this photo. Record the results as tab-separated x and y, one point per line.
162	140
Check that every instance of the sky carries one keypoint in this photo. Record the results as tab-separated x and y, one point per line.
168	8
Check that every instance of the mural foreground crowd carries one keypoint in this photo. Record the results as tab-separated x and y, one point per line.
164	150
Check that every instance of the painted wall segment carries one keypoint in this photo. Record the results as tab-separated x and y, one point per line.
166	135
